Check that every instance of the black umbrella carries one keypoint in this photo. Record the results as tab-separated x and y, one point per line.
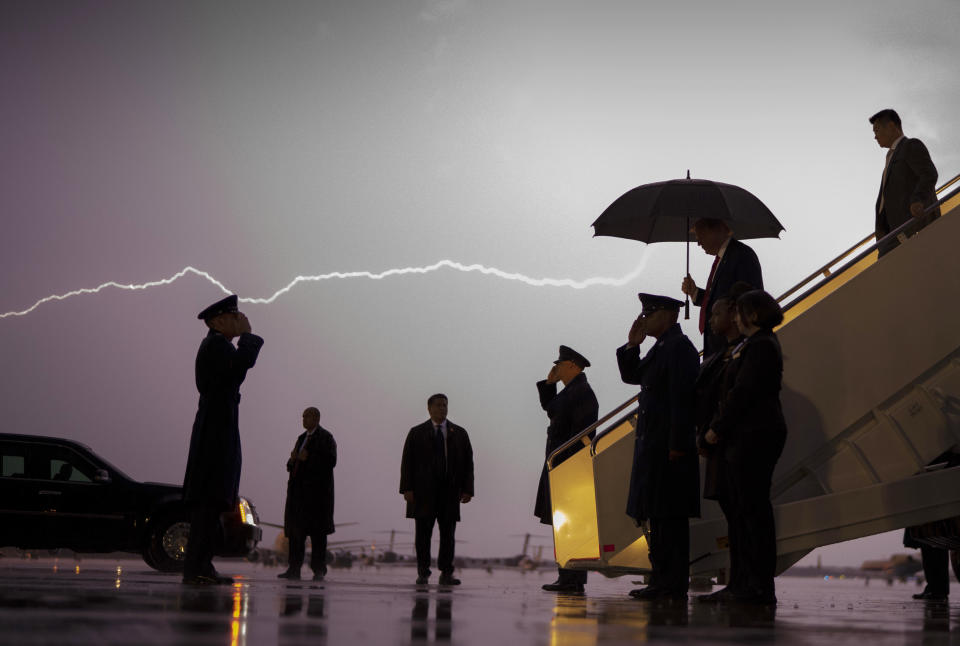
664	211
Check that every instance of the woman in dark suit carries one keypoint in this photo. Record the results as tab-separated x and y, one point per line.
748	432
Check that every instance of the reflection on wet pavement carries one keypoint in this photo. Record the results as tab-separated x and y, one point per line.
104	602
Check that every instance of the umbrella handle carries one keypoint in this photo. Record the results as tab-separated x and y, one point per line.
686	309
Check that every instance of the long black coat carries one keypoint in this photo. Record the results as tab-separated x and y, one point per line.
749	419
911	177
660	488
739	263
213	466
436	495
707	391
572	410
309	504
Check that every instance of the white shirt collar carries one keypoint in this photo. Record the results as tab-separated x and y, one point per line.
723	247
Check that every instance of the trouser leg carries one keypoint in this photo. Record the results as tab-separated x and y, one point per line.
204	522
446	551
572	576
735	575
936	570
670	556
424	533
756	532
318	555
298	546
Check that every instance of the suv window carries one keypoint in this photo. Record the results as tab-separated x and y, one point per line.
13	465
54	462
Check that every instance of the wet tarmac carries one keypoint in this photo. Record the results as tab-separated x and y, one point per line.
95	601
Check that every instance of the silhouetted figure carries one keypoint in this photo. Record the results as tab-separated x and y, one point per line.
708	386
572	410
665	480
733	262
212	478
309	506
748	432
436	476
935	560
908	183
64	472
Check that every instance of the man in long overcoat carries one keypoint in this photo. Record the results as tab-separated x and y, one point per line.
309	507
665	481
212	478
436	476
572	410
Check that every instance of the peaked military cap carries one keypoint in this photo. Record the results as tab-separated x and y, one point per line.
228	304
569	354
653	302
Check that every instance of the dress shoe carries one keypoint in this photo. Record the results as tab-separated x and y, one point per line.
422	580
720	596
318	577
289	574
569	588
649	592
930	596
447	579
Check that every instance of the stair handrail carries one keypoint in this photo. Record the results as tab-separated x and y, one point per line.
830	275
576	438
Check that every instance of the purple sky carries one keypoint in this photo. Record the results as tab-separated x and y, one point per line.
261	141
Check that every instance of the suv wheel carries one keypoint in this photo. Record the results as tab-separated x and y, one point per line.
167	544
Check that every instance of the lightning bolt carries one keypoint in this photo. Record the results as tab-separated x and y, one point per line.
450	264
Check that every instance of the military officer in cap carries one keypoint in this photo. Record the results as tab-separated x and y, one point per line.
665	481
213	467
572	410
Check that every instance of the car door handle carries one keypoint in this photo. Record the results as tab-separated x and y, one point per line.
46	492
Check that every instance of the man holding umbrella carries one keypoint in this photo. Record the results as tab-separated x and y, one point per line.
715	212
665	480
733	262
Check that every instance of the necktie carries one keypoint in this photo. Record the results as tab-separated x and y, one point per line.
883	179
440	450
705	303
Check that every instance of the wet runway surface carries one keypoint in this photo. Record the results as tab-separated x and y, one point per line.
94	601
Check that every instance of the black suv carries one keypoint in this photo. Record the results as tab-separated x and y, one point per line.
58	493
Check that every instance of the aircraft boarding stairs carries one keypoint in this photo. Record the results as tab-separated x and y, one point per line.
871	394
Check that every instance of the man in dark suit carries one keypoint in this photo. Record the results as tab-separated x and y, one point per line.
436	476
908	183
733	262
212	479
665	480
309	508
572	410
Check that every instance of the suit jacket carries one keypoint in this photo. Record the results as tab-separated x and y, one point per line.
213	466
911	177
572	410
310	485
436	494
707	391
659	487
749	418
739	262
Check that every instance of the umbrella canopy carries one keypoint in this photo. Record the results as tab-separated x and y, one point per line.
664	211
